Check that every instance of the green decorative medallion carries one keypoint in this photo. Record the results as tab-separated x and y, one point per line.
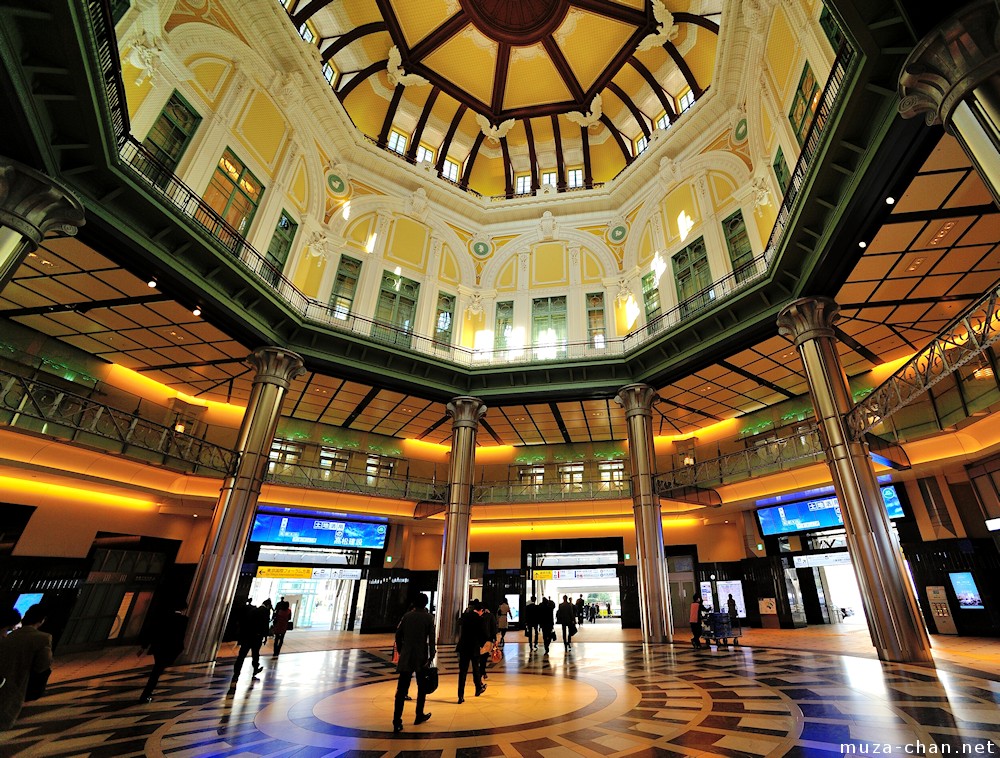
618	233
337	185
740	133
481	249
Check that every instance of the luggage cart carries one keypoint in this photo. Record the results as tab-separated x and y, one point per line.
719	628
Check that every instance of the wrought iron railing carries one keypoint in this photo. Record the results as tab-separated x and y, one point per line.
546	492
766	456
963	341
44	408
395	486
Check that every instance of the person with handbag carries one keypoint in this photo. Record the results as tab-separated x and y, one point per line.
545	609
281	622
566	617
25	664
415	645
471	639
252	632
492	630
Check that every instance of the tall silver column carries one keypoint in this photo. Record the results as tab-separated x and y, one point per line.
219	569
893	617
453	580
654	592
32	206
953	78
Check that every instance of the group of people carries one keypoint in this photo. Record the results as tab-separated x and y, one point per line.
699	612
256	624
539	621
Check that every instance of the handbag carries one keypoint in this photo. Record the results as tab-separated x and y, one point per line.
37	680
573	630
496	655
487	647
395	653
427	679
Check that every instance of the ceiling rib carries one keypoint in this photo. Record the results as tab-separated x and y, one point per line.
588	174
500	76
560	163
685	69
421	123
446	145
471	161
564	69
383	136
41	310
359	76
682	17
434	40
654	85
857	347
532	156
308	11
631	16
754	378
346	39
637	114
606	120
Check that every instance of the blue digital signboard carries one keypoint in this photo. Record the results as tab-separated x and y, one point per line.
816	514
966	591
318	532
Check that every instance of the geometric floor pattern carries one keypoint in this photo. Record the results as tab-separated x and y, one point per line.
600	699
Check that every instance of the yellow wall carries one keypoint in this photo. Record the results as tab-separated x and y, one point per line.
507	276
448	271
591	270
408	243
549	264
309	273
470	325
261	127
780	54
135	94
680	200
210	76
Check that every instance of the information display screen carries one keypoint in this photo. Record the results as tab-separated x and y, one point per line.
298	530
966	591
734	588
26	600
816	514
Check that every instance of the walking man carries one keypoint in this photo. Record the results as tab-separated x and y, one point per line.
415	644
253	629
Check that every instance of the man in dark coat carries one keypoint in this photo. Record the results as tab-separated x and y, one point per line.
565	617
24	652
415	644
253	628
165	642
491	627
531	623
471	637
546	622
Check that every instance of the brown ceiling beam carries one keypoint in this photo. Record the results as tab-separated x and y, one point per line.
92	305
612	69
682	17
346	39
606	120
637	114
646	74
631	16
357	77
754	378
308	11
679	61
564	69
508	171
411	153
532	155
588	174
449	88
397	95
392	23
554	407
446	145
500	76
360	407
560	163
436	38
471	160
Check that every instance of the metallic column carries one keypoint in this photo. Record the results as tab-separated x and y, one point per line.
894	621
32	207
219	570
953	77
453	580
654	594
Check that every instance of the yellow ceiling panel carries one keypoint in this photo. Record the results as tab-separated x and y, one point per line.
533	79
639	4
376	46
417	20
590	42
541	129
468	60
606	160
361	12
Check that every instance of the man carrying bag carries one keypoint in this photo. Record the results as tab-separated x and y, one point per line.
415	644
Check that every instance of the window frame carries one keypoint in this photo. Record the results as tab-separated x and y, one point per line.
522	184
551	309
597	336
550	178
336	293
685	100
237	188
640	144
701	276
159	151
784	176
652	304
809	103
287	240
424	153
443	337
577	173
397	142
448	166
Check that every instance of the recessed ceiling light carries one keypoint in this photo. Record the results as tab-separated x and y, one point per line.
862	244
196	311
151	284
890	200
915	265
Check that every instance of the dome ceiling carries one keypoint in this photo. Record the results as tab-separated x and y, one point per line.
505	95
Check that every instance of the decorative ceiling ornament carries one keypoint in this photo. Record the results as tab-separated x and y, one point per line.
318	245
666	29
589	118
547	226
617	230
338	179
397	76
494	133
475	306
481	245
624	291
416	204
145	55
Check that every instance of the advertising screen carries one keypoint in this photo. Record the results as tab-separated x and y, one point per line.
816	514
734	588
300	530
26	600
966	591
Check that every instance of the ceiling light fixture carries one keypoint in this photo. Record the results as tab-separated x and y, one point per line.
890	201
862	244
196	311
941	233
915	265
151	284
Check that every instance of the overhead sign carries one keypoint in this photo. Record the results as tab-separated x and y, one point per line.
305	572
821	559
321	532
816	514
545	575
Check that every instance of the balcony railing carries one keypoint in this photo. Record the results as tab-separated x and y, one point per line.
768	456
40	407
401	488
223	236
547	492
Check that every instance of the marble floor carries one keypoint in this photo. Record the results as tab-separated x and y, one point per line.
782	692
